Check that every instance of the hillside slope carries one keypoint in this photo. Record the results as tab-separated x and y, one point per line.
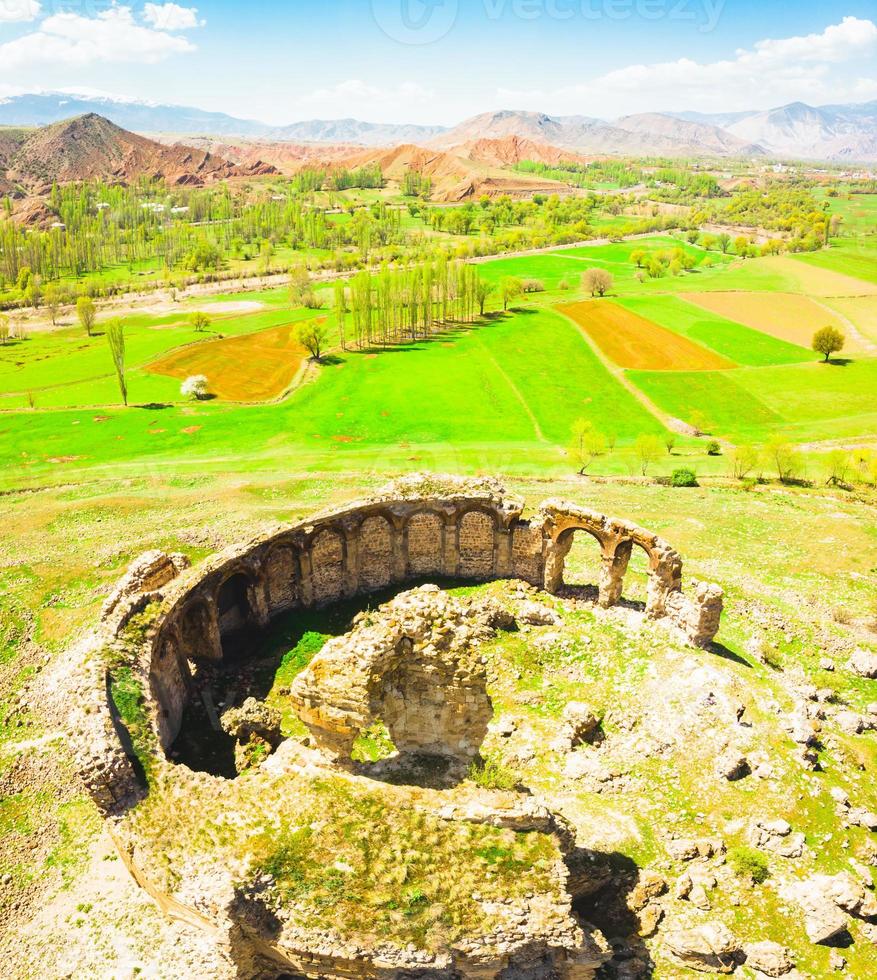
92	148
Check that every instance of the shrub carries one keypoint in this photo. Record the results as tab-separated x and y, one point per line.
563	285
749	863
533	286
489	774
195	387
713	448
683	478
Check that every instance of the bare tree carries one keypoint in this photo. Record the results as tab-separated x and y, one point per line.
597	282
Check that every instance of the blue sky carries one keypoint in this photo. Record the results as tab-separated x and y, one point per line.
439	61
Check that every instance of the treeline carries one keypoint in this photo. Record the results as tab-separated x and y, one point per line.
189	230
781	206
399	305
585	175
311	179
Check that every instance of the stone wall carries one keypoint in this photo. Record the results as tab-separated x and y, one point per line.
417	529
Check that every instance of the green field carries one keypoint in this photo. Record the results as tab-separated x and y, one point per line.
858	259
800	402
65	368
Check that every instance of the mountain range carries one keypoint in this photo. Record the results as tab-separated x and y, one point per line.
796	131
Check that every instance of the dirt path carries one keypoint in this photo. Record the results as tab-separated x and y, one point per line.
864	343
537	429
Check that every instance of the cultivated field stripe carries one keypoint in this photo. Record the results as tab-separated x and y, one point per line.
634	342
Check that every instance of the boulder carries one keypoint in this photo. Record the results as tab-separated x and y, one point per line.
769	958
537	614
253	719
863	662
709	948
683	849
823	920
649	885
581	723
850	722
731	765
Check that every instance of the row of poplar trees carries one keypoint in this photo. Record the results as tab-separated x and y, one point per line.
399	305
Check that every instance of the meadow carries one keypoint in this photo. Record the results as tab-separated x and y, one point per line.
717	343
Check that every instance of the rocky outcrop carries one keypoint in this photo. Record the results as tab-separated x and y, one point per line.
708	948
864	663
256	730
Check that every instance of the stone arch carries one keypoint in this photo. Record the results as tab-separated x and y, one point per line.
476	544
328	559
664	572
375	550
424	535
199	631
561	546
169	681
281	573
235	606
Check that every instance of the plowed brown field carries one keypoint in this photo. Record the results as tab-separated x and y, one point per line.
631	341
253	368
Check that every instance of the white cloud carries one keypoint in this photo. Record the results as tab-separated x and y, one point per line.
18	11
808	68
171	17
69	40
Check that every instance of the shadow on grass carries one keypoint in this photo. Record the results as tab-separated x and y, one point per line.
720	650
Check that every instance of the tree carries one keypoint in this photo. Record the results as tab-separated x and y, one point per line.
638	257
340	309
742	460
587	444
839	465
597	281
52	298
648	450
699	423
483	290
115	334
313	335
4	329
86	312
724	241
670	441
195	387
783	458
510	288
828	340
200	322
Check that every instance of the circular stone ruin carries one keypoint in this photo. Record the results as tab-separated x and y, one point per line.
242	857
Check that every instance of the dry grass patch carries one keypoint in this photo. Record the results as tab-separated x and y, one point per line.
783	315
862	311
815	281
632	341
254	368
